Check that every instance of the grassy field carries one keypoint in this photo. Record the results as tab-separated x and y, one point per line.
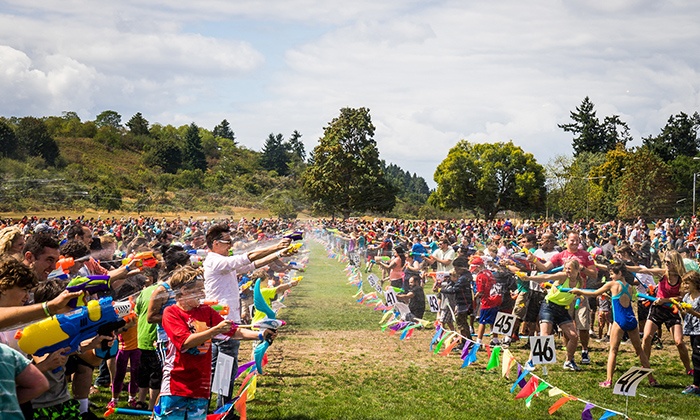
332	362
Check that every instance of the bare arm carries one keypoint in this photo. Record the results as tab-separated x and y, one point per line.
14	315
30	384
604	288
155	305
264	252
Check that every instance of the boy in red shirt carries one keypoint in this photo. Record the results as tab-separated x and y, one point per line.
489	294
190	327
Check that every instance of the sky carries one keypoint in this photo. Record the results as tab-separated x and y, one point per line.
431	72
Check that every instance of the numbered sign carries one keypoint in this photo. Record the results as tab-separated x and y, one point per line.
374	282
354	258
390	297
433	303
543	350
627	384
504	324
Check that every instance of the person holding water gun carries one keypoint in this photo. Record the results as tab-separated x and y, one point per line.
668	288
624	319
690	285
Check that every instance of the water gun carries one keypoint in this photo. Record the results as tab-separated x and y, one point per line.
197	256
292	249
63	266
261	305
223	310
385	259
140	260
419	254
682	305
295	236
266	323
69	330
298	279
674	304
126	411
89	284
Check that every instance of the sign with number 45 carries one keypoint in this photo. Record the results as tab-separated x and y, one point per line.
504	323
627	384
543	350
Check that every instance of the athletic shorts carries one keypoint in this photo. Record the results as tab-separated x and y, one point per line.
662	315
488	316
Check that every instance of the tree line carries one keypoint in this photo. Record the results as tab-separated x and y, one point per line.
343	175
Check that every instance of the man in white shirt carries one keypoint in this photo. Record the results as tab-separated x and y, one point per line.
221	284
444	256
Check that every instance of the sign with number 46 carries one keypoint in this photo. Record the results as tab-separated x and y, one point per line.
543	350
504	323
627	384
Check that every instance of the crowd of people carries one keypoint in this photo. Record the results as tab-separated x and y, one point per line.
189	286
554	277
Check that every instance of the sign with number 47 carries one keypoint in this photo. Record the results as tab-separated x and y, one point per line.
543	350
627	384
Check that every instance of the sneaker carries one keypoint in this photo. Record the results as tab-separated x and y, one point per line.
690	372
495	342
692	390
132	402
605	384
571	365
656	341
112	403
585	360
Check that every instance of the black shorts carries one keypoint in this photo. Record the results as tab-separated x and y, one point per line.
533	306
663	315
150	370
73	362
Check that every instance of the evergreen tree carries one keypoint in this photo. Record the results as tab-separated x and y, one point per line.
296	147
275	156
193	153
138	125
224	130
590	135
679	137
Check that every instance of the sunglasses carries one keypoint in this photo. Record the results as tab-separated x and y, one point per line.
667	261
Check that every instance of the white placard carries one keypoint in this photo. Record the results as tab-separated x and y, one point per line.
543	350
222	374
628	382
504	323
433	303
374	282
390	297
403	309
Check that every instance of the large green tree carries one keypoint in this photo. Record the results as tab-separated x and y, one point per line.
34	139
679	137
344	173
296	147
109	118
591	135
488	178
646	188
193	153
